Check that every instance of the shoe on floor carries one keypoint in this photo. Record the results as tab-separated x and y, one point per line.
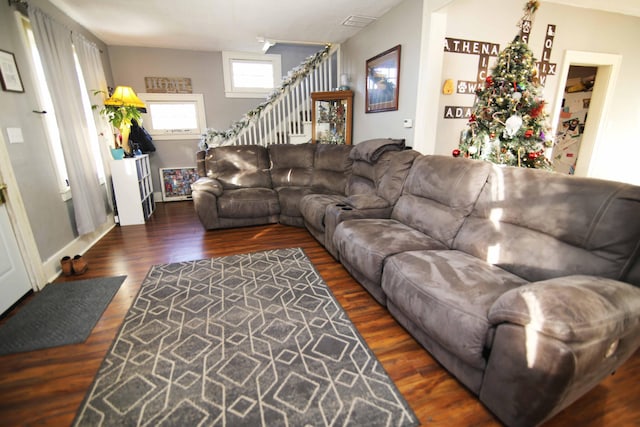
79	265
67	265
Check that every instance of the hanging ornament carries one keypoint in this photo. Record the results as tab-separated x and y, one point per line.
455	153
489	81
528	133
473	150
512	125
516	96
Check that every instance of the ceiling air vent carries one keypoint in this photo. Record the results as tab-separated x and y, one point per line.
358	21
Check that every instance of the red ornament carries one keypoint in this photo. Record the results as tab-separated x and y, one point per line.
535	112
533	155
528	133
489	81
472	119
456	153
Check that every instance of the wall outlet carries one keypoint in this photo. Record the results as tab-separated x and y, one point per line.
408	123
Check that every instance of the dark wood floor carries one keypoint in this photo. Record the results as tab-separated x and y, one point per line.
46	387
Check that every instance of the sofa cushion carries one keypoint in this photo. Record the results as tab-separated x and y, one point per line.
290	199
541	225
291	165
366	243
313	207
331	168
391	179
439	193
248	203
448	294
242	166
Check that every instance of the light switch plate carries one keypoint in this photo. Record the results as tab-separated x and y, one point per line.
15	135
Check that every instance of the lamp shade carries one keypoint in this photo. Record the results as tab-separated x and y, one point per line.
124	96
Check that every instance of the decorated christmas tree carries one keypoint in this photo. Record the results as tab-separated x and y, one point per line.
508	124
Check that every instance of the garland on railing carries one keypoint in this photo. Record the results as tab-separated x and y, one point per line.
212	137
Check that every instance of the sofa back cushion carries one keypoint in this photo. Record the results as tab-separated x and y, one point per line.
391	177
239	166
331	167
540	225
439	193
291	165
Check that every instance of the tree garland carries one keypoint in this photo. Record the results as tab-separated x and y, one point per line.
212	137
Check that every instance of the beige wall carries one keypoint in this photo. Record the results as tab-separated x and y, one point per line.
577	30
400	26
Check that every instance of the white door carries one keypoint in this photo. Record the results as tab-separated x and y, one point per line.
14	281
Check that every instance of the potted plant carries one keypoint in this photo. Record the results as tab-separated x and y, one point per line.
121	109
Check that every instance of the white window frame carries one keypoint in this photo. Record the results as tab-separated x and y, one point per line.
234	92
196	98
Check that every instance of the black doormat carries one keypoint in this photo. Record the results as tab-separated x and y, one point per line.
61	314
245	340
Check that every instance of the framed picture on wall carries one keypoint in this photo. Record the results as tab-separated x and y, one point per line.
383	81
176	183
9	74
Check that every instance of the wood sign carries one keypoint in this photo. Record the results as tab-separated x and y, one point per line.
457	112
546	68
168	85
484	51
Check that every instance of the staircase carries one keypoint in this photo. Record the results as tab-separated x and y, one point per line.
285	116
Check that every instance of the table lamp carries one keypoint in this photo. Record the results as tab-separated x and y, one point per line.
125	100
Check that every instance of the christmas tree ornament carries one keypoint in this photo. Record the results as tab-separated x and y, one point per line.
512	126
456	153
528	133
516	96
472	150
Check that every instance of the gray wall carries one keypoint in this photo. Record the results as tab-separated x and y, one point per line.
400	26
132	64
51	218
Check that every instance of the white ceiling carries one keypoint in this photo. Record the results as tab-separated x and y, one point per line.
217	25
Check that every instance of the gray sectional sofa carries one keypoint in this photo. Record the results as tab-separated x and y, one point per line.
524	284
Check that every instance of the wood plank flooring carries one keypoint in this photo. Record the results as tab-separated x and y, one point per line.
46	387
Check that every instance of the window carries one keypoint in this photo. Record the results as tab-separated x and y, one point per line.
250	75
174	115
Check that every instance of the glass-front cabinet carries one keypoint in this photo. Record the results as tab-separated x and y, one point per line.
332	117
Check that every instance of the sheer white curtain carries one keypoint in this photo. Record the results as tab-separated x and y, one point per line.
54	44
89	58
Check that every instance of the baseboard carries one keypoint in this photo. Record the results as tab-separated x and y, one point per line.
78	246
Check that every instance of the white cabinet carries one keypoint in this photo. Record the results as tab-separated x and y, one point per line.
133	189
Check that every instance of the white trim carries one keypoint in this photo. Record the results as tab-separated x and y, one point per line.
233	92
20	221
196	98
593	137
78	246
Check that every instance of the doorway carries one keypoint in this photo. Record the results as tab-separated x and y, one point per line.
573	117
592	138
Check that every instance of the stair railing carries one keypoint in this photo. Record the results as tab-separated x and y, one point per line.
285	111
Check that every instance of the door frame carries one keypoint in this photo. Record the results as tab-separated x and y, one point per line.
608	70
20	221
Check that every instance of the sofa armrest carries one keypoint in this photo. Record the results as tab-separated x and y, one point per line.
366	201
205	192
554	341
571	308
209	185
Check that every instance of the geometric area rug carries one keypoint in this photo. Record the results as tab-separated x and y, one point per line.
242	340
